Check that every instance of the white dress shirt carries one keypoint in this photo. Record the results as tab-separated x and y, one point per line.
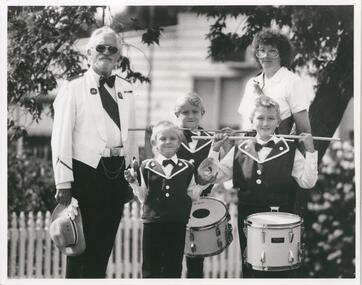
285	87
114	138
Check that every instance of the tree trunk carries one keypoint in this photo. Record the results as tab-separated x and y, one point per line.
335	89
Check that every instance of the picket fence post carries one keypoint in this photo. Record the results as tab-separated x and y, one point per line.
48	246
23	237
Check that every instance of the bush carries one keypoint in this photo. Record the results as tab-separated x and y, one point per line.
30	182
330	219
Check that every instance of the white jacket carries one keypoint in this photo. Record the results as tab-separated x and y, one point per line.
79	124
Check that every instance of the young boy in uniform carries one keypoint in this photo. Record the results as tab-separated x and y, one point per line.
189	111
263	170
166	192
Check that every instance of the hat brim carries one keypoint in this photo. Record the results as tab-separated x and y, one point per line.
80	246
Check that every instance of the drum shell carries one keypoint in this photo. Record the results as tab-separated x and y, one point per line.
210	239
279	245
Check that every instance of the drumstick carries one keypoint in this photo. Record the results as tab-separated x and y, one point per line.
283	136
189	129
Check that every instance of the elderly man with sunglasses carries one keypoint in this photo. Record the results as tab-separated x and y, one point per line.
91	147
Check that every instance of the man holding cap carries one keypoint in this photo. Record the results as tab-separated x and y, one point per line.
91	147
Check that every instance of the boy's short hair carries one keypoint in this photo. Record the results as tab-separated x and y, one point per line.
191	98
166	125
267	102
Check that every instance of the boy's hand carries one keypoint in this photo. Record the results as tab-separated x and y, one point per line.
219	140
128	175
307	140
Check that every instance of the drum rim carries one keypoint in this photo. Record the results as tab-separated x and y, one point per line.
274	268
262	225
225	217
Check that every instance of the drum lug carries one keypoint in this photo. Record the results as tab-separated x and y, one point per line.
291	235
218	232
263	235
219	243
193	247
192	237
262	257
300	251
274	209
229	233
291	257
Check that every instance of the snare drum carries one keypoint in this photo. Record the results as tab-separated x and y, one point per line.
273	241
208	232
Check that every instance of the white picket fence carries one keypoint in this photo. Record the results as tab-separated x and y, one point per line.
32	254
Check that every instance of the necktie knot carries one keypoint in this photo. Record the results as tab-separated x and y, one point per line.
259	146
167	162
110	80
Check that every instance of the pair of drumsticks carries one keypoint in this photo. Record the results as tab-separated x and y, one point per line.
244	137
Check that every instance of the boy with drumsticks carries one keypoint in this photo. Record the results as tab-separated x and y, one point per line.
166	192
189	111
263	170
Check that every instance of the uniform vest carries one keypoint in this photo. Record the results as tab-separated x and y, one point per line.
167	199
268	183
196	156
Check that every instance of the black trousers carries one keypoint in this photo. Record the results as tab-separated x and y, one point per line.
195	267
101	201
163	249
243	212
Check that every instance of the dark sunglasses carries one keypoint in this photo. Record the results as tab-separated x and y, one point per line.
102	49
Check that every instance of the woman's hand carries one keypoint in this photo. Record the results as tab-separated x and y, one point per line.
307	140
63	196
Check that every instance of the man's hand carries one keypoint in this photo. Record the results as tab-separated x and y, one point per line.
64	196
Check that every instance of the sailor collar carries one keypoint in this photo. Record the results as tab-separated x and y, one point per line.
201	143
156	167
248	147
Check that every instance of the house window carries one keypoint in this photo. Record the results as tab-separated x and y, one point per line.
221	97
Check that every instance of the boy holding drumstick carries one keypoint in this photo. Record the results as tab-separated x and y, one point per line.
264	169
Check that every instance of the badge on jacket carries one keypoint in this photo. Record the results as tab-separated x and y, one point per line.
119	94
93	91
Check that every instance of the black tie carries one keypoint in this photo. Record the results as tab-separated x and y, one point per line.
110	81
109	104
259	146
167	162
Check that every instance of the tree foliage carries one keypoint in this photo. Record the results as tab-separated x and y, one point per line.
42	49
323	41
